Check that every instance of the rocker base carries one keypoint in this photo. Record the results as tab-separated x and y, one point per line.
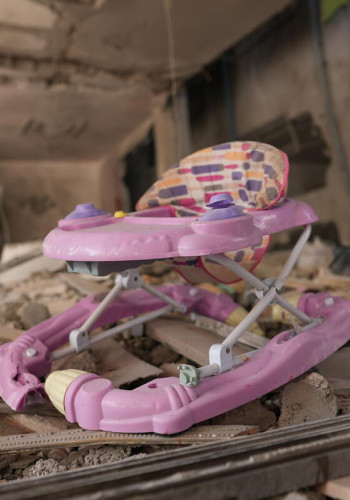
164	406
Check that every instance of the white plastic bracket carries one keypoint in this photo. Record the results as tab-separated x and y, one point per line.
137	330
79	340
260	292
221	355
131	279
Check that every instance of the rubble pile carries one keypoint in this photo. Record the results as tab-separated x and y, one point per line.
36	292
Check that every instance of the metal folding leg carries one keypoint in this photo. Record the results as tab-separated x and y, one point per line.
220	355
80	339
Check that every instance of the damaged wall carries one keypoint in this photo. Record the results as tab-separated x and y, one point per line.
274	75
279	77
39	193
79	77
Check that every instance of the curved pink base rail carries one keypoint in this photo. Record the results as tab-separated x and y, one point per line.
166	407
20	374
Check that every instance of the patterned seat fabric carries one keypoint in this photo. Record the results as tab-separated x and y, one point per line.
254	174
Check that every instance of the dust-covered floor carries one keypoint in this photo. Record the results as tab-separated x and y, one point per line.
30	294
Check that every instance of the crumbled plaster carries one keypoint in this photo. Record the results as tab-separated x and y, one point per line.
21	40
308	399
26	14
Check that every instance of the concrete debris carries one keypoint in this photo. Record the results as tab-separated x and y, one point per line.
7	460
316	254
33	314
310	398
58	454
162	352
106	455
24	462
84	457
119	365
337	366
74	460
168	342
15	298
44	468
85	361
253	413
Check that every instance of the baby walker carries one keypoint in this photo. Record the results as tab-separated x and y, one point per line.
212	215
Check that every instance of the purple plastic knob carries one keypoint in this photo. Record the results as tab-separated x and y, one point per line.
220	201
84	211
222	207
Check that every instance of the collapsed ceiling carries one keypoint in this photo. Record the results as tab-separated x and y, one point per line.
78	76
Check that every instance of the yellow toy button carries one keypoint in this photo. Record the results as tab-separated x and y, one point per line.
119	214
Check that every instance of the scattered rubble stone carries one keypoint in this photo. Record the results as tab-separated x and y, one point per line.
58	454
310	398
337	366
142	347
44	467
7	460
162	353
24	462
84	361
33	314
106	455
74	460
253	413
83	457
8	312
10	477
15	297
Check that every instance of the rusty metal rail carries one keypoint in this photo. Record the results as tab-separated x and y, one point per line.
78	437
253	467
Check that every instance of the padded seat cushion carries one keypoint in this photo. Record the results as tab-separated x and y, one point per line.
255	175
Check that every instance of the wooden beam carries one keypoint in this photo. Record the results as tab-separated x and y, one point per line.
337	488
165	138
187	339
135	137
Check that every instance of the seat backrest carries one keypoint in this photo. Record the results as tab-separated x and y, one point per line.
254	174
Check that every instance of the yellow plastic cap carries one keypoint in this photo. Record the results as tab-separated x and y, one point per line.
56	386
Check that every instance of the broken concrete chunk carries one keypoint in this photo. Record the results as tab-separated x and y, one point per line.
33	314
7	460
24	461
253	413
44	468
161	353
337	366
74	460
59	462
8	334
84	361
106	455
15	297
308	399
58	454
